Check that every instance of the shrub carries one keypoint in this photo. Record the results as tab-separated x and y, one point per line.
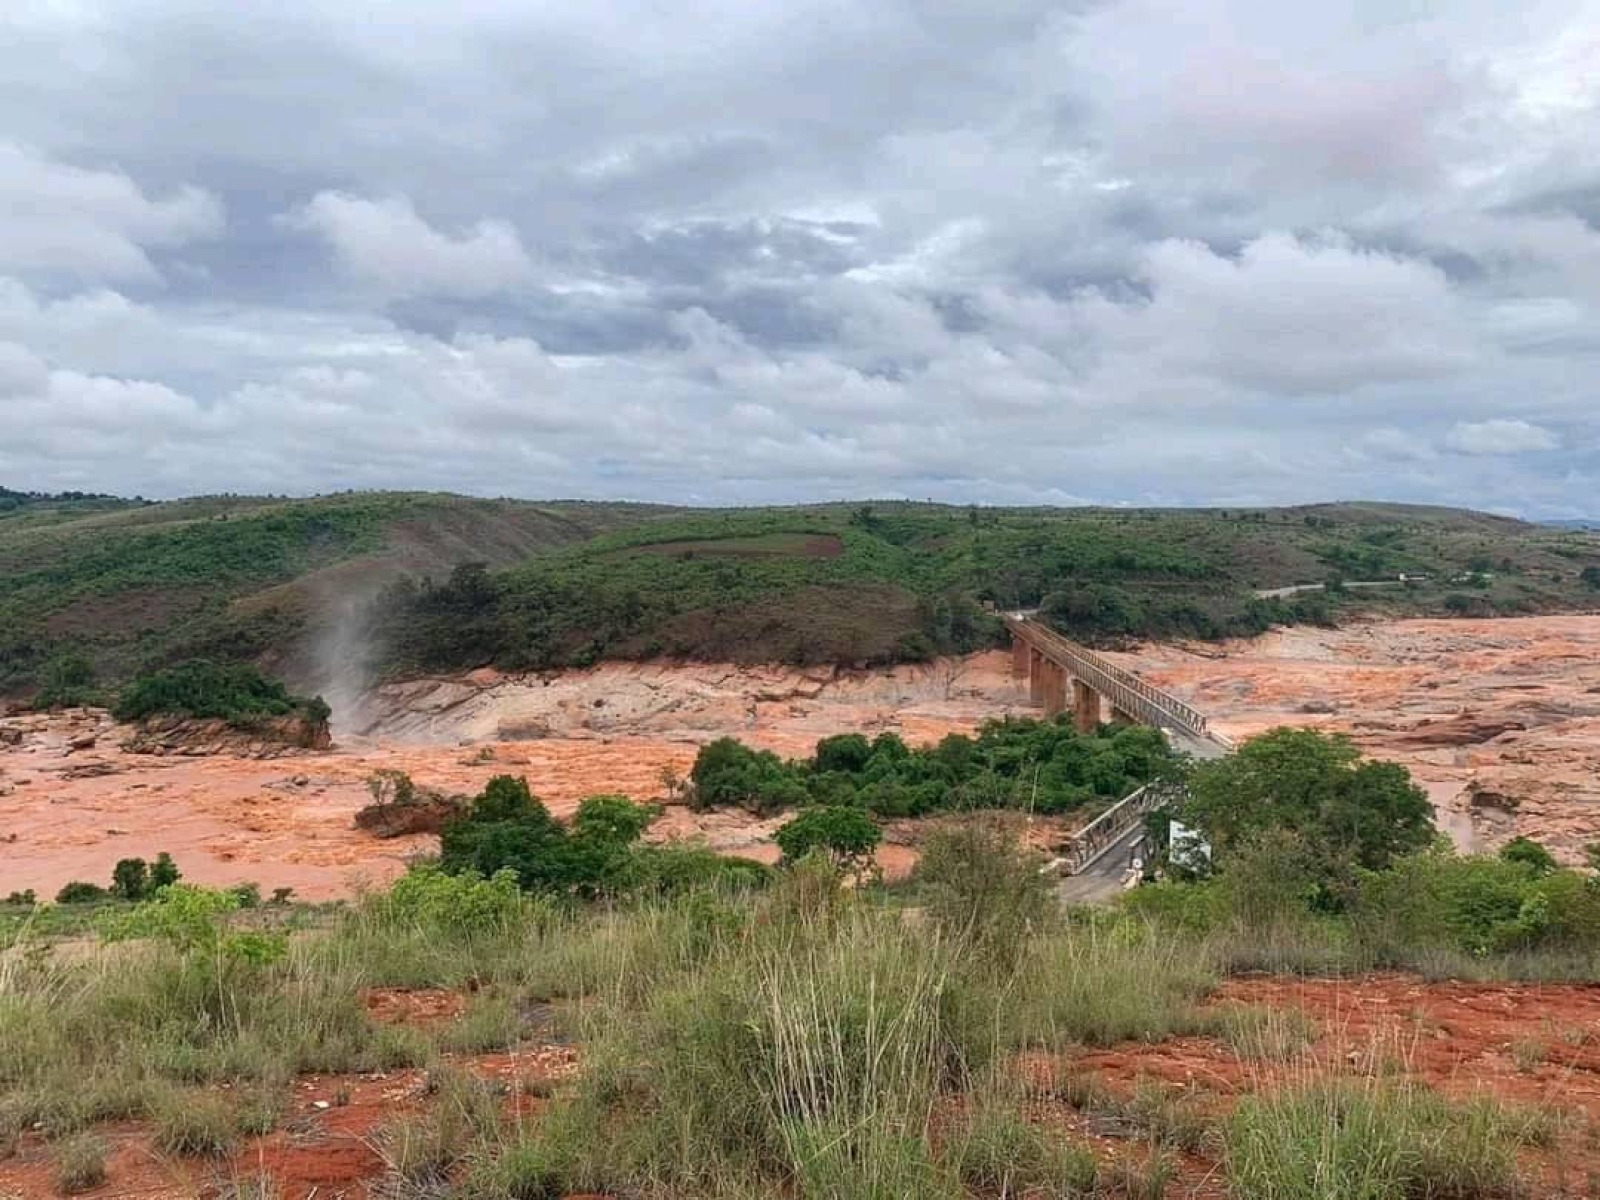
728	774
68	681
130	879
1040	766
676	868
1475	904
1348	813
1530	854
614	819
164	872
506	828
848	752
982	887
847	835
465	903
195	919
234	692
79	892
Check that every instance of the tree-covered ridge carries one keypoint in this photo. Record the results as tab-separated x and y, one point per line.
464	582
11	499
135	587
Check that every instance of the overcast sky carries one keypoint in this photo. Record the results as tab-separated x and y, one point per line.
1223	251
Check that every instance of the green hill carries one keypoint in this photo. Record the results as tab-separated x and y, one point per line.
398	582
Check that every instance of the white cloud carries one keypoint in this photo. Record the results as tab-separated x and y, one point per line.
57	219
386	243
1500	436
1285	316
1396	445
1233	251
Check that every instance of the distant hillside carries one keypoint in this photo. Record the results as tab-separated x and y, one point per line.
331	590
135	585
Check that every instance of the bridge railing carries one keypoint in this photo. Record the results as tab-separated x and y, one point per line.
1124	689
1084	848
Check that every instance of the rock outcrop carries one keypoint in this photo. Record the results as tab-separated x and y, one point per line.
264	738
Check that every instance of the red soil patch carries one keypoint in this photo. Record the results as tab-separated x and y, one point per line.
413	1006
1526	1045
327	1143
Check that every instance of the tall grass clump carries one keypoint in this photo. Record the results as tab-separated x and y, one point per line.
997	1152
1366	1139
1100	982
984	890
80	1164
810	1046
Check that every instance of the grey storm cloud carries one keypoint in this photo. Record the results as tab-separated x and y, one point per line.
1016	252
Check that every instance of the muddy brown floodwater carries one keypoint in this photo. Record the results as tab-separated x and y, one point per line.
70	809
1500	720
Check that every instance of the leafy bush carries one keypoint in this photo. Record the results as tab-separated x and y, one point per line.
235	692
1348	812
1475	904
507	834
1529	853
727	773
464	902
67	681
194	919
847	835
1039	766
79	892
614	819
164	872
675	869
130	879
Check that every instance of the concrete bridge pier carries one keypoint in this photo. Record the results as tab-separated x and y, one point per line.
1022	656
1085	707
1055	692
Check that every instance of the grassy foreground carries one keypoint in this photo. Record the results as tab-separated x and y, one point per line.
801	1041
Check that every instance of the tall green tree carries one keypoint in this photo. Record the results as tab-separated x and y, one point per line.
1351	812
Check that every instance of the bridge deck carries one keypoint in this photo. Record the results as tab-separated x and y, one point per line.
1141	700
1097	858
